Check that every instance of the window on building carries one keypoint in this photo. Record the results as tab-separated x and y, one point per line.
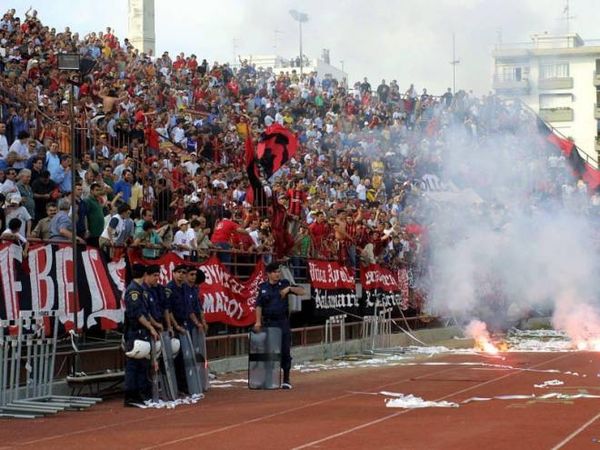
554	70
555	101
511	73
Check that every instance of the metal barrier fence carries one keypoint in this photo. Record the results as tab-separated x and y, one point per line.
331	348
27	368
376	331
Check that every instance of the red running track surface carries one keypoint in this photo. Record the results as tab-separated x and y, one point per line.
337	409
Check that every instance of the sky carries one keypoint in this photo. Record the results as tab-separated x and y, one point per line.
406	40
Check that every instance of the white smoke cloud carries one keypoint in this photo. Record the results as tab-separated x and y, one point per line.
513	254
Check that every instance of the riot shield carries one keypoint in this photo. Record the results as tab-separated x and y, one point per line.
264	359
192	374
199	342
169	379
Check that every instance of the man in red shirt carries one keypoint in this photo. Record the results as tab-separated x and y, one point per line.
318	232
223	234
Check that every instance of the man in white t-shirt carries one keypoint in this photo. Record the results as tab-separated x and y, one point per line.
253	232
192	165
185	239
3	142
361	191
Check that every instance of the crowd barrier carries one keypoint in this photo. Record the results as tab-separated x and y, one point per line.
27	368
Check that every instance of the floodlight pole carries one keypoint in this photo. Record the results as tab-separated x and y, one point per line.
300	17
454	63
301	58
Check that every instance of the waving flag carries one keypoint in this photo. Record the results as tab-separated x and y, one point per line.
277	146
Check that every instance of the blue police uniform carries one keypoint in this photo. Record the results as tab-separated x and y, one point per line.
192	302
275	313
154	304
160	293
137	385
176	298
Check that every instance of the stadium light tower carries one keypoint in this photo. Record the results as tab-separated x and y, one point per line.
301	18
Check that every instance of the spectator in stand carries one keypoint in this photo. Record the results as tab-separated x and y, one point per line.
184	241
9	187
124	186
149	240
44	191
26	192
3	141
21	148
62	175
60	225
13	209
13	233
42	229
52	162
119	230
223	234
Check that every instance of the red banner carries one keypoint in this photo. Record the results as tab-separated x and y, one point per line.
381	288
330	275
332	288
224	298
44	281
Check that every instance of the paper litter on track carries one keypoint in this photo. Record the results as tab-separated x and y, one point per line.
412	402
548	383
161	404
409	401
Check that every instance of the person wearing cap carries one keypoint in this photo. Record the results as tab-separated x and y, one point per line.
138	326
194	278
192	165
14	210
155	306
184	240
179	314
272	310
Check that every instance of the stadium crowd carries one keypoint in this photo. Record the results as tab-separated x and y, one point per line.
160	153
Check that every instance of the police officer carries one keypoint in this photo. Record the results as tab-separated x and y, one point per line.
155	306
195	313
138	332
175	293
272	311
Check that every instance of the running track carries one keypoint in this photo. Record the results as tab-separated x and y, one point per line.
334	409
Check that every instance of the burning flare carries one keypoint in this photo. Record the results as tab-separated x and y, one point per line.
591	344
477	330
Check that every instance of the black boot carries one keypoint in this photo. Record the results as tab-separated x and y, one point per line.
286	380
131	398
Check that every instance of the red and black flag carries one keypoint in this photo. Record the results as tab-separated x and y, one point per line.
277	146
581	169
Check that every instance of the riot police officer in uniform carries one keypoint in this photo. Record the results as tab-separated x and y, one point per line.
155	306
272	310
175	293
195	313
138	332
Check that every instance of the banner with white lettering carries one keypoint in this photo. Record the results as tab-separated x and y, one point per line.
381	288
332	287
224	298
43	281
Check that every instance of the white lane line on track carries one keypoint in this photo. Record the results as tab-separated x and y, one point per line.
570	437
183	410
279	413
391	416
